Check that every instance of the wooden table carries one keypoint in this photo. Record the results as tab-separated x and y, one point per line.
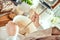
55	35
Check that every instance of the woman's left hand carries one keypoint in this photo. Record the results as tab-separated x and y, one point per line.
11	28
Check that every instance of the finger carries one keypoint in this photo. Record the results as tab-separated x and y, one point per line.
32	17
36	17
32	13
37	20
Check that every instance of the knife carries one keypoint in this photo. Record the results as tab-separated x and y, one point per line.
45	4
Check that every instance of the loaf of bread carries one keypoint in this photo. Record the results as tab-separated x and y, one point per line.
6	7
3	20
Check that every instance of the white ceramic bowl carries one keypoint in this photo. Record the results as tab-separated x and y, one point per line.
26	20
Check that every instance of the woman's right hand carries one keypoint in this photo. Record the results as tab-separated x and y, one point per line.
35	18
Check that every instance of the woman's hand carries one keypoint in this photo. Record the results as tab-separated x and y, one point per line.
11	28
35	18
